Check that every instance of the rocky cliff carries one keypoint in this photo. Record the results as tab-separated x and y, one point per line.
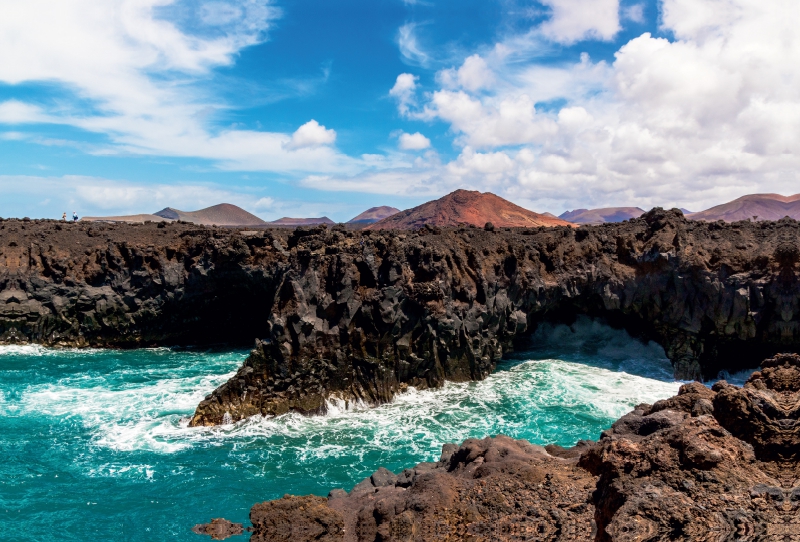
363	315
715	464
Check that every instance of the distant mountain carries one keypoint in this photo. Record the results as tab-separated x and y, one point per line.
372	215
601	216
466	207
287	222
760	206
131	219
223	214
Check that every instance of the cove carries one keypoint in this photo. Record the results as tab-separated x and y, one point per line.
97	447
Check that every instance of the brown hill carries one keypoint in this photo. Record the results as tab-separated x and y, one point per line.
287	222
128	219
373	215
601	216
761	206
466	207
223	214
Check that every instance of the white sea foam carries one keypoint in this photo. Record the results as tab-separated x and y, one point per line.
146	407
523	401
149	416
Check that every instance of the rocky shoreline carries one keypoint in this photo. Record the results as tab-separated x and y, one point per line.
705	465
363	315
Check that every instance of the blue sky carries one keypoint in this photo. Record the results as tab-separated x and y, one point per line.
313	107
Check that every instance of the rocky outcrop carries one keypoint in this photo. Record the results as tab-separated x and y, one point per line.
706	465
363	315
219	529
418	309
129	285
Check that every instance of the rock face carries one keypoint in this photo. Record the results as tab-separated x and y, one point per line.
419	309
219	529
363	315
65	284
490	489
705	465
466	207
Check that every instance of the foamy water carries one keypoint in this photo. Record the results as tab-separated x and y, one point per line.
99	440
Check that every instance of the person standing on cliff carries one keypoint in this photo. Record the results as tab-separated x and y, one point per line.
64	217
74	216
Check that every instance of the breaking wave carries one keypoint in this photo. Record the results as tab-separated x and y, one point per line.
109	427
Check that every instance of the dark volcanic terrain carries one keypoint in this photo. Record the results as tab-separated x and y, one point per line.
364	315
705	465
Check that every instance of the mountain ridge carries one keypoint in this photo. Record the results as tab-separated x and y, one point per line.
760	206
467	207
601	215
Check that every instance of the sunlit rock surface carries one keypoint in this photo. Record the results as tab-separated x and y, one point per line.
708	464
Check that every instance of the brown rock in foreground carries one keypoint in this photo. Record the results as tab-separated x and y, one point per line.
219	529
466	207
705	465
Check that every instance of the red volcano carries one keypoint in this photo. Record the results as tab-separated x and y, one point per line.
467	207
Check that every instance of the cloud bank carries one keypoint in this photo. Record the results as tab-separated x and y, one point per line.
710	114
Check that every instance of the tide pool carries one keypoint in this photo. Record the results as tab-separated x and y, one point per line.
95	444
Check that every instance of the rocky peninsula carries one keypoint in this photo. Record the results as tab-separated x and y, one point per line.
364	315
706	465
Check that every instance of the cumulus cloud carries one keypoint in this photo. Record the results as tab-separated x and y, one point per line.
576	20
692	120
311	135
473	75
404	91
413	142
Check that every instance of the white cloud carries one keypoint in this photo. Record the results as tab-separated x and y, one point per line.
311	135
633	13
413	142
131	71
16	112
692	121
473	75
510	121
409	45
576	20
404	91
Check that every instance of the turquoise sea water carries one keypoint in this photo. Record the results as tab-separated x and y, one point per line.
94	445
